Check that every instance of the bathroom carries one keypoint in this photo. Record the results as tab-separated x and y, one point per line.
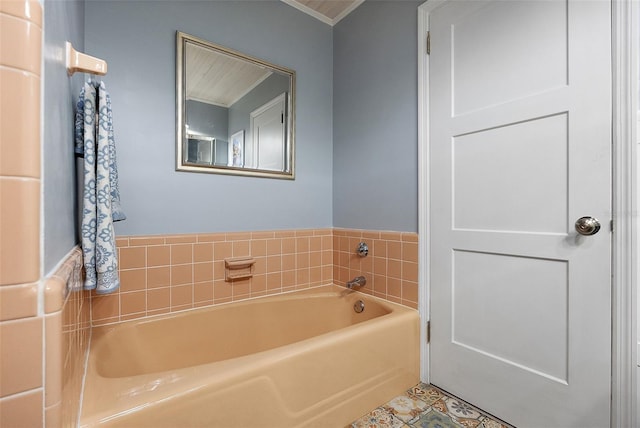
357	175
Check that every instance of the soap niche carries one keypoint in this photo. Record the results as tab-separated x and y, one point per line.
238	268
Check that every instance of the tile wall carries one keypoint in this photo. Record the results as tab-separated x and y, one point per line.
67	331
21	324
162	274
391	268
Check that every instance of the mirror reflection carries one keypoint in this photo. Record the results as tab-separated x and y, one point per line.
235	112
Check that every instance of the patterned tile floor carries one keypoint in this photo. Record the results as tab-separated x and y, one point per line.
425	406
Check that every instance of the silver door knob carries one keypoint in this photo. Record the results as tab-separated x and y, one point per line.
587	226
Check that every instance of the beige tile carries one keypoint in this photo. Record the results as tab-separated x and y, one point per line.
133	257
161	311
302	245
181	254
158	255
241	287
258	284
122	241
379	284
20	230
211	237
391	236
20	44
302	260
181	274
288	261
133	280
274	264
158	298
19	123
394	268
259	248
53	359
54	294
203	292
238	236
143	241
105	307
394	287
19	301
315	243
274	246
327	274
221	291
327	257
20	355
304	232
285	233
260	266
327	243
274	280
370	234
315	259
218	270
222	250
22	411
158	277
262	235
202	272
315	275
410	252
203	252
181	239
288	279
410	291
409	237
181	295
29	10
134	302
410	271
241	248
344	244
53	416
412	305
302	277
394	250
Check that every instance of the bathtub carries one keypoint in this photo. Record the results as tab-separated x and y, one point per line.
300	359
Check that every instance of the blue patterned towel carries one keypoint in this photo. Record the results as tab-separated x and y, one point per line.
101	197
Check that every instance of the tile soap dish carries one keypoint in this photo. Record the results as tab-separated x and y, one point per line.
238	268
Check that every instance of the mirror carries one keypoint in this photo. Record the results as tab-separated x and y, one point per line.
234	113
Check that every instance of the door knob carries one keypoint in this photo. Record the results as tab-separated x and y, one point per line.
587	226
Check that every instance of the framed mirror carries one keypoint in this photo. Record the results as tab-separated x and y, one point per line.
234	113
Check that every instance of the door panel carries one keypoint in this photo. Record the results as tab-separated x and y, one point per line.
519	150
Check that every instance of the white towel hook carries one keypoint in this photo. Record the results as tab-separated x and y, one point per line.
77	61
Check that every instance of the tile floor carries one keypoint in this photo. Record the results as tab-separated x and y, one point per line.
425	406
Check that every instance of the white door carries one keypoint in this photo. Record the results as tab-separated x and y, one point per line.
519	150
269	135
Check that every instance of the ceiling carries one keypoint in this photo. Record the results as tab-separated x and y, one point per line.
328	11
219	79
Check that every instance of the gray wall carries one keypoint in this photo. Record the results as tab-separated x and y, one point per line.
63	20
137	38
375	141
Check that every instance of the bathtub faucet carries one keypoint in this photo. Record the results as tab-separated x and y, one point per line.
358	281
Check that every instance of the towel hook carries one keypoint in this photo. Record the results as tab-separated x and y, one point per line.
79	62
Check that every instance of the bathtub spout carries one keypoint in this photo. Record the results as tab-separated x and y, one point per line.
359	281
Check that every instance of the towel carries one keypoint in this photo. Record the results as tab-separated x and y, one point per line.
101	196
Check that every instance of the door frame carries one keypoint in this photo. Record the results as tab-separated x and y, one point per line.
626	234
